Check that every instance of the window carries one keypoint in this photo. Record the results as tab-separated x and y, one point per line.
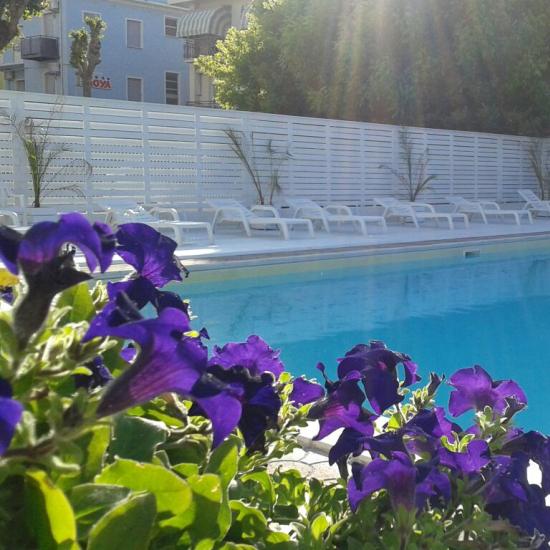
134	33
171	86
134	88
170	26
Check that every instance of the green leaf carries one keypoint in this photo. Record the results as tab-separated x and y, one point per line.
265	482
248	523
80	302
319	526
128	526
137	438
209	515
224	461
186	469
173	494
91	500
50	517
95	444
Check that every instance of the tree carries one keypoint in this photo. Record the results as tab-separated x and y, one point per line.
86	51
460	64
11	12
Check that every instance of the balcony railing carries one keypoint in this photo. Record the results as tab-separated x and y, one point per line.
193	47
40	48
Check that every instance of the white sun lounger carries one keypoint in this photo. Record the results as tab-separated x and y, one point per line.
332	213
8	217
486	209
137	214
418	212
533	203
232	211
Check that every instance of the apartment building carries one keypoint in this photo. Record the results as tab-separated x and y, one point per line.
142	54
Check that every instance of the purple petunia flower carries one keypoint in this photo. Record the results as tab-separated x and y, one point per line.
138	292
48	267
149	252
534	446
378	368
304	392
397	476
342	408
431	485
43	242
509	495
407	484
254	355
10	414
167	361
475	389
236	397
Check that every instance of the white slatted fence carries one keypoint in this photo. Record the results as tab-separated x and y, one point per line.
181	154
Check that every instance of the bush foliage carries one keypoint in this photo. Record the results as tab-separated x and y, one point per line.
458	64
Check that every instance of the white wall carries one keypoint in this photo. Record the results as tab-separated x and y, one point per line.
160	152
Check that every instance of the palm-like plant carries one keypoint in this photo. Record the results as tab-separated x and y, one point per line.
415	179
244	146
43	154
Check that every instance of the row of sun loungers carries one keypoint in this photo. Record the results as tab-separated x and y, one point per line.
305	214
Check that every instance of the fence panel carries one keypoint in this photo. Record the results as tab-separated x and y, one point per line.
182	154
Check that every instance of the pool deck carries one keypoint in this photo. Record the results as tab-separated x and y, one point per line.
236	248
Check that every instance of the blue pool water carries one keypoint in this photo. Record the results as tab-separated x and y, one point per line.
494	312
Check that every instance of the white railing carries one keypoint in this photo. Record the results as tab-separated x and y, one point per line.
181	154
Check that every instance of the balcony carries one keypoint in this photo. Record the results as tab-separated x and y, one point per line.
193	47
40	48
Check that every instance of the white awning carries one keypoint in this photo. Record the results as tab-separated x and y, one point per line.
213	22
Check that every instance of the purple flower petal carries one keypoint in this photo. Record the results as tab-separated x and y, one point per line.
397	476
167	362
432	485
43	242
254	355
381	387
472	461
474	389
10	414
149	252
433	423
349	443
341	409
304	392
224	411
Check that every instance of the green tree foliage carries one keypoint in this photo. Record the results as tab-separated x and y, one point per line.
460	64
11	12
86	51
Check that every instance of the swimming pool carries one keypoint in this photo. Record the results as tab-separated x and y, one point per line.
450	313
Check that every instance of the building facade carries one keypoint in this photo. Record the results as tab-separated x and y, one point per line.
142	55
206	22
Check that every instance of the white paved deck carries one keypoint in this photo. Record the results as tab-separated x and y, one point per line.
235	244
